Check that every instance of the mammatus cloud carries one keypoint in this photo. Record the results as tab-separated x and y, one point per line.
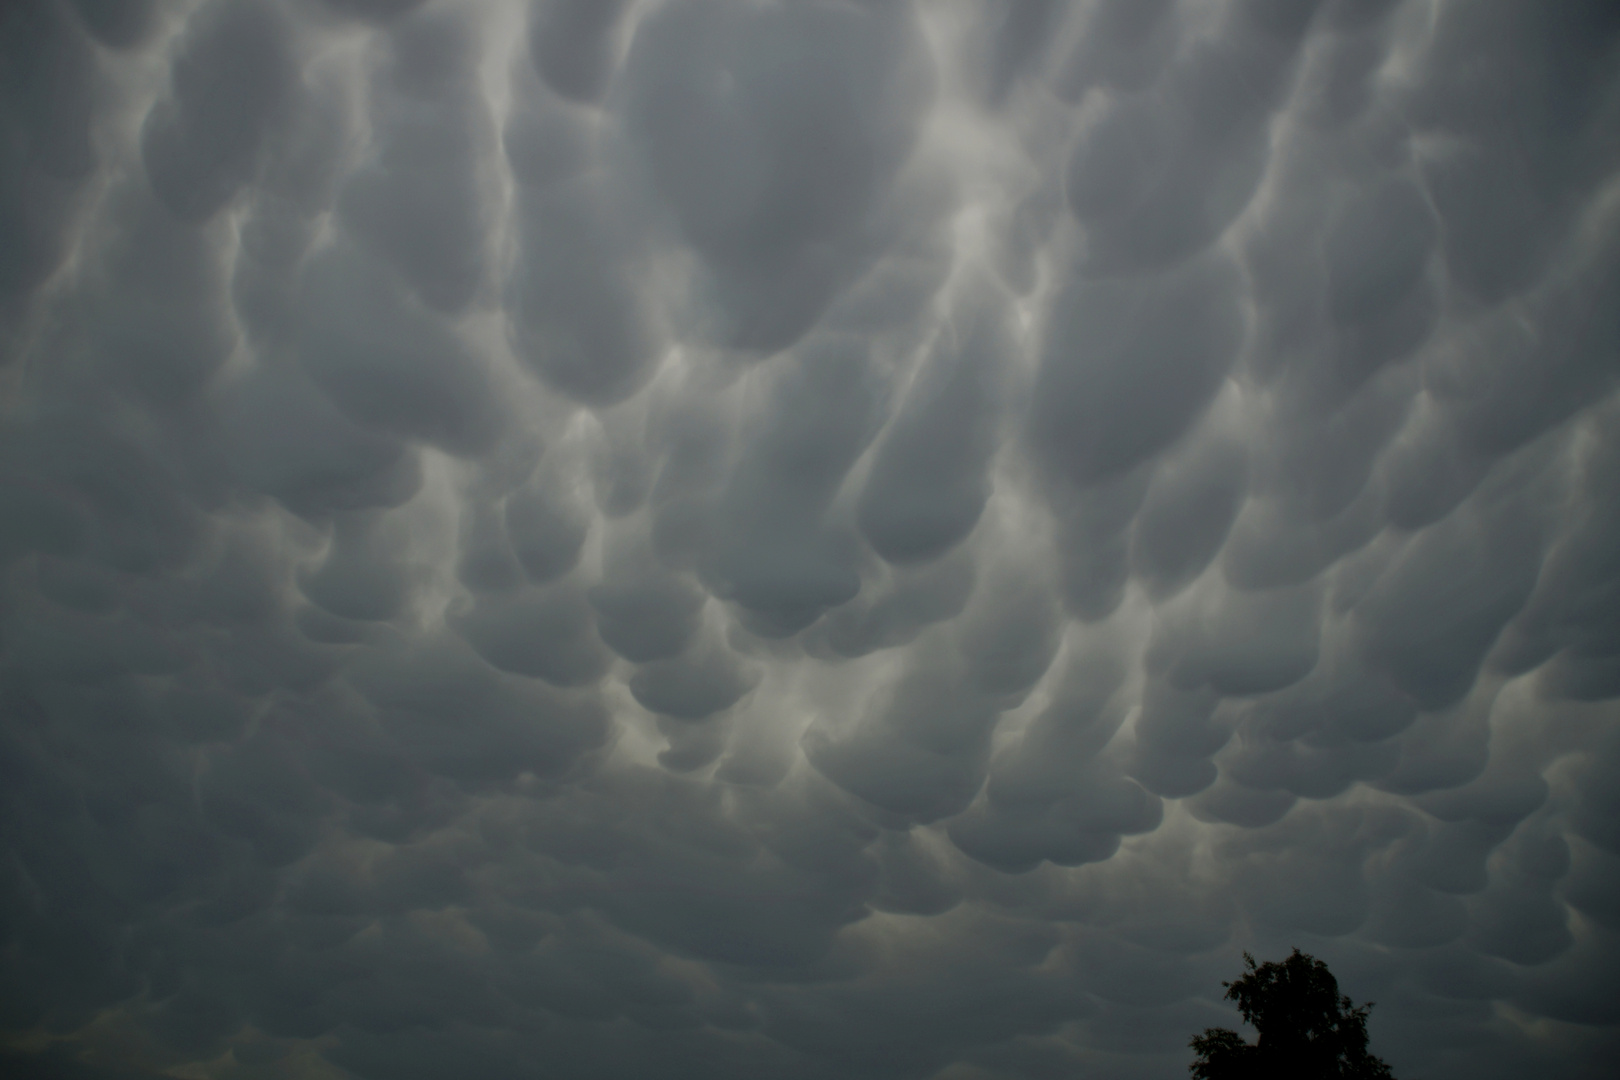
804	539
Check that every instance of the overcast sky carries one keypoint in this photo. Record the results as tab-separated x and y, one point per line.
794	540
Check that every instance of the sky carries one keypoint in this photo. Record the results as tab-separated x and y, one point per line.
804	539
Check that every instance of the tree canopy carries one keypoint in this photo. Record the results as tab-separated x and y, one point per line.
1308	1030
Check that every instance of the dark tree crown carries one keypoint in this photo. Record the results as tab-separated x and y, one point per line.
1308	1030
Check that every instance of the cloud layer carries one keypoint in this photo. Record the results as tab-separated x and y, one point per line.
804	539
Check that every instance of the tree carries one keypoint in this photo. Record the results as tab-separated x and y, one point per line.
1308	1030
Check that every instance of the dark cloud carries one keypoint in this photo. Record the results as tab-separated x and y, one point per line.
803	538
228	84
929	480
46	112
1128	366
572	43
774	133
386	362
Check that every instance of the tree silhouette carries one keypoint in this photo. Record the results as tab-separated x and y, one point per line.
1308	1030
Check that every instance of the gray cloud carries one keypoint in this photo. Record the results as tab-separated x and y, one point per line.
674	537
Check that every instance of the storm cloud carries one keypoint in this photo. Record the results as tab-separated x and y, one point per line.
804	538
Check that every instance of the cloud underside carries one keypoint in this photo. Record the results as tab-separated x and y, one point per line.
804	539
